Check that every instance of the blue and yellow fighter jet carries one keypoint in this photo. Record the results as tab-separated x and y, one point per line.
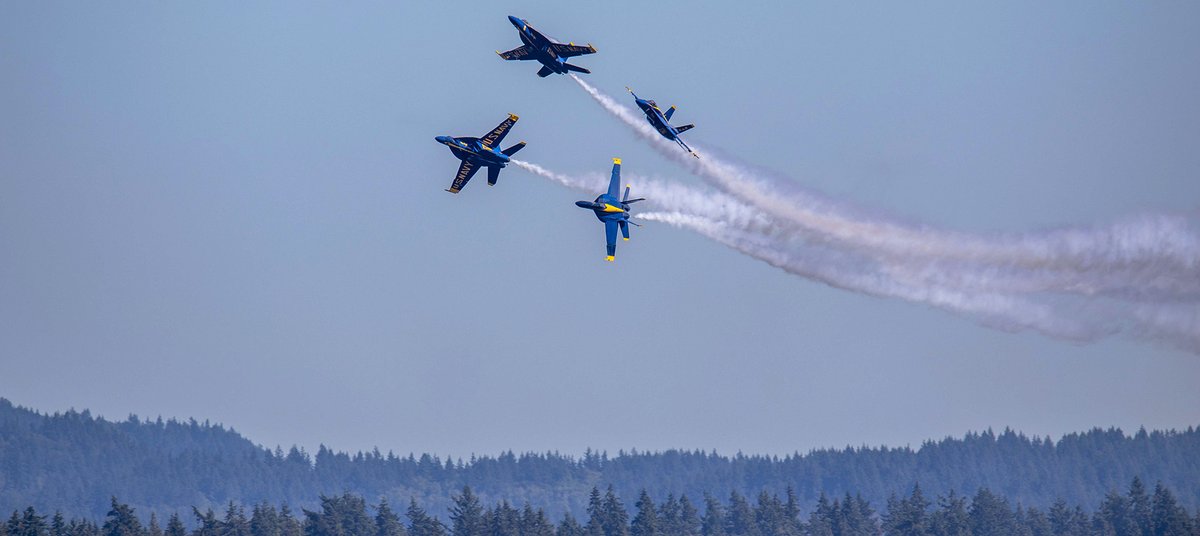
613	212
481	152
550	53
661	121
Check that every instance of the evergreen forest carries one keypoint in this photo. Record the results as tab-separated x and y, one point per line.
73	464
1137	512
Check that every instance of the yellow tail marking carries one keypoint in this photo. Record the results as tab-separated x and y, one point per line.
617	161
609	258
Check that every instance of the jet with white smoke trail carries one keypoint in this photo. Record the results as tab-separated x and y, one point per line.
661	121
612	211
1140	276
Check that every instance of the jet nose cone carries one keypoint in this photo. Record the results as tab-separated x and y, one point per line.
516	22
443	139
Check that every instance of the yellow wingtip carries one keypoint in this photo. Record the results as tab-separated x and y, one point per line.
514	117
610	258
617	161
625	239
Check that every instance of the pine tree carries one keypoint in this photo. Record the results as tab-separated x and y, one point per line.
82	528
420	524
1167	517
58	526
990	515
29	524
713	523
1114	518
154	529
645	522
121	521
1065	521
206	523
689	518
769	516
616	518
1038	523
569	527
535	522
908	516
870	526
387	523
1021	522
235	522
505	520
791	511
820	521
854	517
264	521
669	521
175	526
1139	506
740	519
288	524
466	515
13	526
595	510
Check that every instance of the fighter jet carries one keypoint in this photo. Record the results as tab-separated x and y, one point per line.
661	121
550	53
480	152
613	212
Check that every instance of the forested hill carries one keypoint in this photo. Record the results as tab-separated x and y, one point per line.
75	463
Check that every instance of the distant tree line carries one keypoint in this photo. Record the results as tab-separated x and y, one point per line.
72	461
1135	513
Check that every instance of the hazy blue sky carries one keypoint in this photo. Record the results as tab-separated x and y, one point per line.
235	211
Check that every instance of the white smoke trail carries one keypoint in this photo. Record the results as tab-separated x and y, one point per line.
747	230
1140	276
751	232
1153	258
846	271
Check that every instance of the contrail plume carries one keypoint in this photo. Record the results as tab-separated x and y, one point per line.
948	286
1154	257
1139	276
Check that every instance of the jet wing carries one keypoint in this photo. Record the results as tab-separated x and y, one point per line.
614	183
465	171
570	50
519	53
493	138
610	237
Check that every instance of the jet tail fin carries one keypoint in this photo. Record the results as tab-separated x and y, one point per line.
513	150
576	68
493	175
683	128
670	112
545	71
